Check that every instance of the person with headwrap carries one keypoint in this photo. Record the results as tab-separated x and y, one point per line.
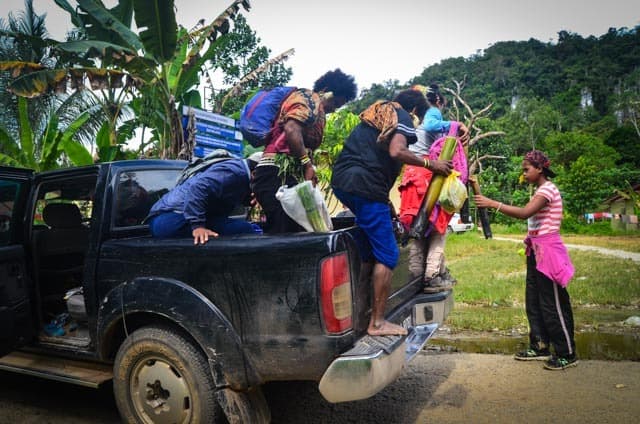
363	175
549	267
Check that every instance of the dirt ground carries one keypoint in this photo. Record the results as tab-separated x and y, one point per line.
434	388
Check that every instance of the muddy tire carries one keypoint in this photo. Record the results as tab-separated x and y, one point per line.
161	377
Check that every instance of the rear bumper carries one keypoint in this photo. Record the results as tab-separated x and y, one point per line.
375	362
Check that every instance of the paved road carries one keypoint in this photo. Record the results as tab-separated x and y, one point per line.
611	252
435	388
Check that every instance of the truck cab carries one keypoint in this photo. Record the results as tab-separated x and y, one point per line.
188	333
50	237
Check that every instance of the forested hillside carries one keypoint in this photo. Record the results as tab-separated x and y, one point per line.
577	98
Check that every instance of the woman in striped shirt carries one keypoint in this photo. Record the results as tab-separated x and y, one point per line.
549	267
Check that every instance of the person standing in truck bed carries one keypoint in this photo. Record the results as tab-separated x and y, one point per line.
363	175
298	131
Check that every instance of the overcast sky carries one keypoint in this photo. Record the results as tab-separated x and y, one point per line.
378	40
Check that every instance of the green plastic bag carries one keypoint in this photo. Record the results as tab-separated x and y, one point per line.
453	193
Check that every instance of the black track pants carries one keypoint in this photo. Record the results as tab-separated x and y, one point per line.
549	312
265	185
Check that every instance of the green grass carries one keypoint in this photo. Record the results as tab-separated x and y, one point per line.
491	277
629	243
514	320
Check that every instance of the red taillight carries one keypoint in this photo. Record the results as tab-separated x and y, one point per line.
335	293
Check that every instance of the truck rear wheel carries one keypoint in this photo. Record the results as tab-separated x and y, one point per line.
161	377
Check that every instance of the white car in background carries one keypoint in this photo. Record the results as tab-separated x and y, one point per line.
456	225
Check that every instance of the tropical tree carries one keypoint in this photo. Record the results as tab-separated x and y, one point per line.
384	91
161	62
337	128
584	187
29	47
240	62
46	149
24	43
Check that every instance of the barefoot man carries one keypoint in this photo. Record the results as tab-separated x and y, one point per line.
363	175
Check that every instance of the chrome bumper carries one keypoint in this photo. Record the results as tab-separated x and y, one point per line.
375	362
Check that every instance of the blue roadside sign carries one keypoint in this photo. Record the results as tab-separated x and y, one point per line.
214	131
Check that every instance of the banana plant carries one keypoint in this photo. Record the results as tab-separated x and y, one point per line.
46	150
159	61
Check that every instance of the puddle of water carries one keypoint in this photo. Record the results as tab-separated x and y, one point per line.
589	345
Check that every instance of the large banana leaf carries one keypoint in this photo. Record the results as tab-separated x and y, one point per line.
194	59
10	161
157	21
95	48
32	84
50	141
110	22
26	133
74	150
107	149
8	144
75	18
36	83
175	66
123	11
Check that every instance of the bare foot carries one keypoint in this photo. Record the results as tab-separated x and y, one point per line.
386	329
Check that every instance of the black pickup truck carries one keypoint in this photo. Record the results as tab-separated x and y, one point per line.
188	334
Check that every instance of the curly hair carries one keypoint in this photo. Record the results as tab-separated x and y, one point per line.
412	99
339	83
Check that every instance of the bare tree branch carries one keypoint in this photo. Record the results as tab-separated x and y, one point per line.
254	75
471	117
476	163
457	96
480	136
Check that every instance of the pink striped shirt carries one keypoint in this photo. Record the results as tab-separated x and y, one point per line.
548	219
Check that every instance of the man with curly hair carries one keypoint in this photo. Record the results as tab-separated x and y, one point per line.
297	132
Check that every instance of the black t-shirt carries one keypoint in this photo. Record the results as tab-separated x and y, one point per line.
364	167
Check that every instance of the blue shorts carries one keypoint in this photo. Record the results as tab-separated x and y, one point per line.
375	220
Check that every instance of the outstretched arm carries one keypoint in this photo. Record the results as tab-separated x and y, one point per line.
530	209
398	150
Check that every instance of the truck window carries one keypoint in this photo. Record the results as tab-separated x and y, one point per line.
78	191
137	191
9	191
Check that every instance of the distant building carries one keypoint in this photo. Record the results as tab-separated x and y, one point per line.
623	211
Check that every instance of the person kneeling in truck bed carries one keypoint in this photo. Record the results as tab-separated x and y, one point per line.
200	206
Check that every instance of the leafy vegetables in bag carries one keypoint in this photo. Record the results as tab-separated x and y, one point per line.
453	193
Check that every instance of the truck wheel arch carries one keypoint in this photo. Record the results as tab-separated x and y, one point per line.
153	301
